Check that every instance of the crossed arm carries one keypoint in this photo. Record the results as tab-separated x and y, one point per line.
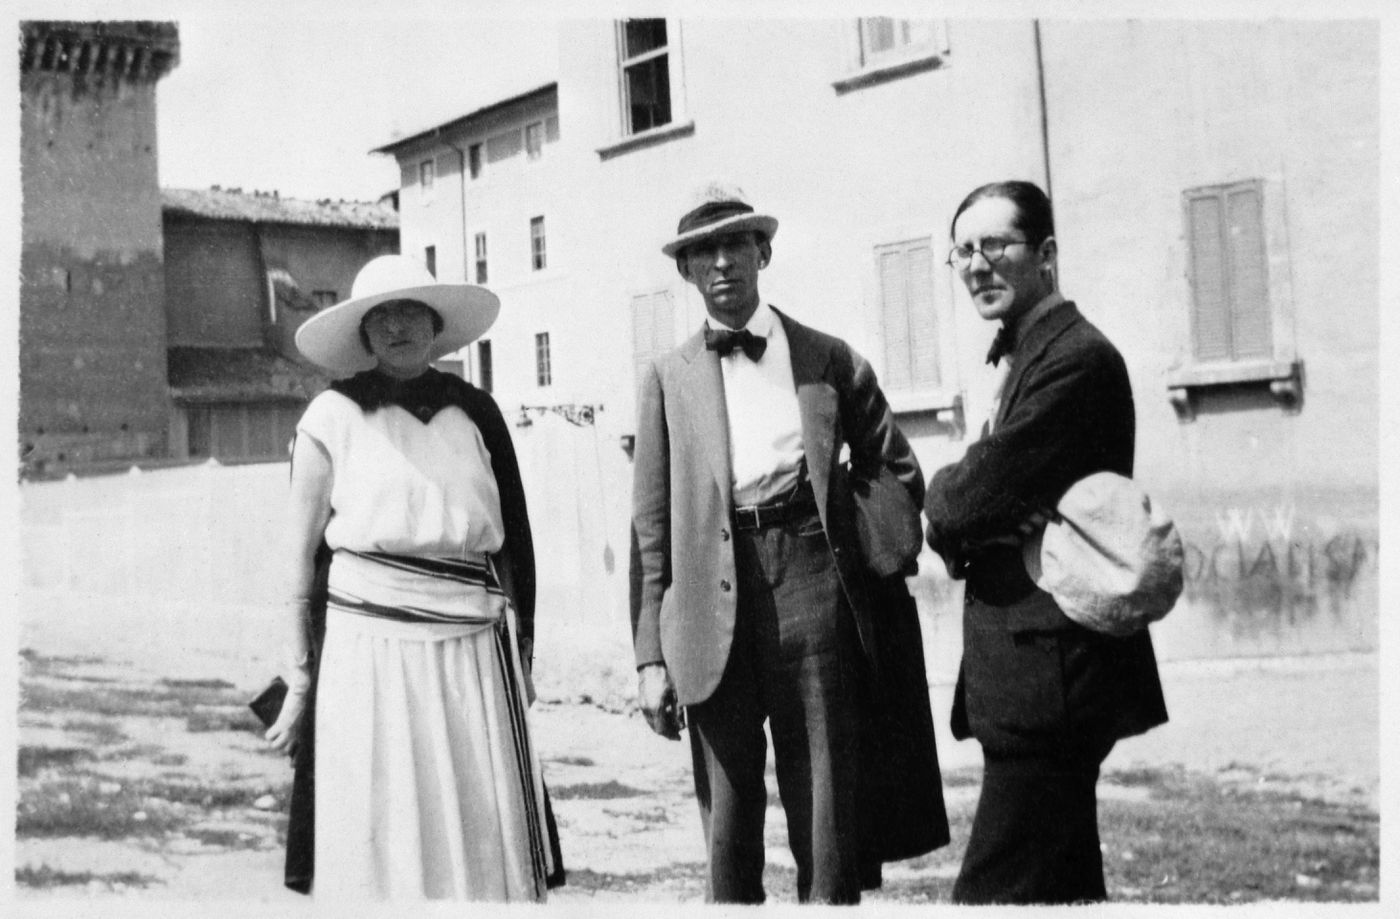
1075	417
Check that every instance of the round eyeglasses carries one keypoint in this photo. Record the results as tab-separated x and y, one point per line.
993	248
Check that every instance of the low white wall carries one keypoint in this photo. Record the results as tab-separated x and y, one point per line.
177	571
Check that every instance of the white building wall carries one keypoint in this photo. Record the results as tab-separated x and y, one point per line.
1279	509
845	171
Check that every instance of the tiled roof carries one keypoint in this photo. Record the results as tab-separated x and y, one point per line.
238	375
267	207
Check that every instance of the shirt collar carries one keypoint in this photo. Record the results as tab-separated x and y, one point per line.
760	323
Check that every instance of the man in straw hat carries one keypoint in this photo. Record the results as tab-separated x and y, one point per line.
1046	698
751	597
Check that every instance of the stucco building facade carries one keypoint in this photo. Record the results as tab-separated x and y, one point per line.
1211	178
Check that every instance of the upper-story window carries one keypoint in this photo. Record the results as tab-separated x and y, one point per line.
1240	334
534	140
644	63
480	242
425	175
1229	274
882	48
485	371
474	161
883	38
537	251
544	370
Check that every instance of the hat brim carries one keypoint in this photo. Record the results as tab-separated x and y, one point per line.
331	338
763	223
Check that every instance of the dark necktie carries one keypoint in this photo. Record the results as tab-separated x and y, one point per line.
724	341
1002	345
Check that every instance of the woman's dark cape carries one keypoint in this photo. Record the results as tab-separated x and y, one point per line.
422	397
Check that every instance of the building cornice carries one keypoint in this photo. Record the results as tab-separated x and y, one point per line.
136	51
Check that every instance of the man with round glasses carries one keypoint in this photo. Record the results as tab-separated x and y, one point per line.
1046	698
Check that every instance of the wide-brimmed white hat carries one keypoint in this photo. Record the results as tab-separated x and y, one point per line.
718	207
331	338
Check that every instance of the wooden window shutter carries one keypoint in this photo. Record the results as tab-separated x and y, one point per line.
907	316
1210	316
1230	314
923	325
894	318
1252	330
653	328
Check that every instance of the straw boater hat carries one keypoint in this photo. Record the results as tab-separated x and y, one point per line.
718	207
331	338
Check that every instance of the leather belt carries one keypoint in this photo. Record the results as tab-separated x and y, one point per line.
763	516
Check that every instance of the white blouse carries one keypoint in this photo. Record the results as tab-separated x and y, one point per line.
402	486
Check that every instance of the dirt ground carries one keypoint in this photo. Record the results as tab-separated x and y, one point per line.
118	734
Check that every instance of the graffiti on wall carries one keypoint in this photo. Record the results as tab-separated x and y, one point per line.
1261	570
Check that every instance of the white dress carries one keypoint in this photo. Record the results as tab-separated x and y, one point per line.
427	784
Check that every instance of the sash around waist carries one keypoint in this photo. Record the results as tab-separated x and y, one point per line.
410	589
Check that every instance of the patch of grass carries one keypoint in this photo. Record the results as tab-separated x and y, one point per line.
93	805
655	815
226	839
79	807
1208	844
46	663
103	733
44	877
680	880
207	720
196	684
595	791
33	760
161	701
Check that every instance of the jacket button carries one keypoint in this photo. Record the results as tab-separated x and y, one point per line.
724	535
724	586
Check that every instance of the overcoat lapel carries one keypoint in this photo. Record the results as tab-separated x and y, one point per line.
1038	338
705	411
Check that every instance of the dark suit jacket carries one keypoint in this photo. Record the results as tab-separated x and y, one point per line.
1031	680
683	576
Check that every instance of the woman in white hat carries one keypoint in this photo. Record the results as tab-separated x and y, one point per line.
426	781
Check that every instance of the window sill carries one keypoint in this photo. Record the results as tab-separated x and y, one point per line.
646	139
1284	379
945	405
891	70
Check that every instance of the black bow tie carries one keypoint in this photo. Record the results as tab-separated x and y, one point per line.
724	341
1002	345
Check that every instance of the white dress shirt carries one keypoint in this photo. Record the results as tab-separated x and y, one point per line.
1003	369
765	425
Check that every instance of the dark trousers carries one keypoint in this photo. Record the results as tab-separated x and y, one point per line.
1035	836
794	661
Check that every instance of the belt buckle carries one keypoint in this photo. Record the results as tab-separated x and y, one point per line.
746	518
